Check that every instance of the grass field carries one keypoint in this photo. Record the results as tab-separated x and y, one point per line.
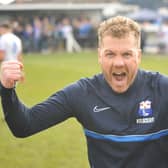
64	145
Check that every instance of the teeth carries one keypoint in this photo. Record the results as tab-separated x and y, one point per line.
119	73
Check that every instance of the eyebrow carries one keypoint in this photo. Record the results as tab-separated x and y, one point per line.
109	50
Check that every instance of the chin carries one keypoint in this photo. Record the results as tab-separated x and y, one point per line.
119	90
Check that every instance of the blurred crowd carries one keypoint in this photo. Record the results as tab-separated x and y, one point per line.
154	37
50	33
46	34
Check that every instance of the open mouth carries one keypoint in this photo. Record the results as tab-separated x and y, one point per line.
119	75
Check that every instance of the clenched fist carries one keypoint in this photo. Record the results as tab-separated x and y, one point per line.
10	72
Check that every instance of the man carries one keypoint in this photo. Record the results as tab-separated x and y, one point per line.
10	44
67	32
123	110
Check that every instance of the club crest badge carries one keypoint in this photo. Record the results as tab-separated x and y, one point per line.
145	113
145	109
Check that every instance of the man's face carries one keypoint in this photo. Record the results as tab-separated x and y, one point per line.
119	59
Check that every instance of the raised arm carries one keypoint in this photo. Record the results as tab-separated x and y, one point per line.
24	121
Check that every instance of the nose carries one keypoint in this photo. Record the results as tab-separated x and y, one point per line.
118	61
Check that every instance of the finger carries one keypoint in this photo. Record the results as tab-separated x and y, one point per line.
12	64
13	74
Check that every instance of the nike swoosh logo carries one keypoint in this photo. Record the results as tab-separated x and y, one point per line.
96	109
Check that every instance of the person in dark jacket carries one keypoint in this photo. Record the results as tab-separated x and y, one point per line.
122	110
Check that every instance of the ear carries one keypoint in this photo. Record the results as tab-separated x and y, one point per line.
139	55
99	55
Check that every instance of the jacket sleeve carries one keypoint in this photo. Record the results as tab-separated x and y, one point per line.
24	121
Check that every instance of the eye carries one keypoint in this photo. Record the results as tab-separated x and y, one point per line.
109	54
127	55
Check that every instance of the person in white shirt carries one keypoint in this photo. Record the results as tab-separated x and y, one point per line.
67	32
10	44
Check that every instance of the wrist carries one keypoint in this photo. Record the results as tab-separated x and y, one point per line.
9	85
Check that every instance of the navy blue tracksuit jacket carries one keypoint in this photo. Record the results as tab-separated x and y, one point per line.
127	130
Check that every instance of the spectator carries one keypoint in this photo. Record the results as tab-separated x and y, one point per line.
28	38
67	32
10	44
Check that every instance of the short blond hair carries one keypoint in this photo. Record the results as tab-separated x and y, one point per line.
119	27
